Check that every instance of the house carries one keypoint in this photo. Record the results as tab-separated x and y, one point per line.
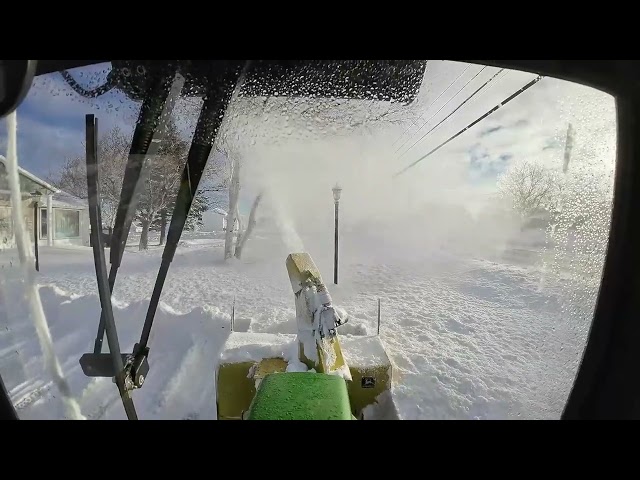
59	217
215	220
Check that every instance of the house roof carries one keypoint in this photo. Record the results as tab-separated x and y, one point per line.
219	211
61	199
64	199
31	177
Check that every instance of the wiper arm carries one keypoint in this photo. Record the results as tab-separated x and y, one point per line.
130	370
211	115
154	114
127	373
104	292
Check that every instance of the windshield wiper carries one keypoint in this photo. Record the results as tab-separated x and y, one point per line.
147	138
130	370
117	361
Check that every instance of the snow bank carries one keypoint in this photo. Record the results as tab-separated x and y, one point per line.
363	351
253	347
183	352
383	409
358	351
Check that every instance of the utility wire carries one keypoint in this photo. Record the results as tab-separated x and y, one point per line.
426	69
431	105
504	102
454	111
446	103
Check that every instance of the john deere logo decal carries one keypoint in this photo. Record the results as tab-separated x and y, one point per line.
368	382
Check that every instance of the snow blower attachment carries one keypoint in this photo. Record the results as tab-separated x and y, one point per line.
157	85
311	375
318	344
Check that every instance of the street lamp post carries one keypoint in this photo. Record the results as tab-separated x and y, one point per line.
36	200
336	202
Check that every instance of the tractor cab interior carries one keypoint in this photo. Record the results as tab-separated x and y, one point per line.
312	371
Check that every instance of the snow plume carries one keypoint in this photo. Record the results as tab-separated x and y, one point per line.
31	291
284	222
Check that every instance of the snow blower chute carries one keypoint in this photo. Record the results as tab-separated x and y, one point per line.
315	375
157	85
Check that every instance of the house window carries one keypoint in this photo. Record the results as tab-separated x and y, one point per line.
67	223
43	223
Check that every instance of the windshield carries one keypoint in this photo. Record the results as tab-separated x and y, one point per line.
458	220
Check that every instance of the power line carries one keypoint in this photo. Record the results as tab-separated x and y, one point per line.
445	104
431	105
504	102
440	109
454	111
412	122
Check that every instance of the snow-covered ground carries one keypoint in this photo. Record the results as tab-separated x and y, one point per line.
491	336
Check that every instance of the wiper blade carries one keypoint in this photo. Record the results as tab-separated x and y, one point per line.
128	372
147	137
104	291
211	115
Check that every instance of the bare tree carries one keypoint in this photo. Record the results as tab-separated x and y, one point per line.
243	236
113	148
201	203
233	213
529	188
158	190
161	179
159	182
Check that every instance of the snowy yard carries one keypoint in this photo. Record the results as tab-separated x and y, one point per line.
469	337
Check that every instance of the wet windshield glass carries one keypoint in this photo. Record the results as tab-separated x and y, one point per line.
471	223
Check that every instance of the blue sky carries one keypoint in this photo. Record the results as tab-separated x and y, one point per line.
51	119
51	122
